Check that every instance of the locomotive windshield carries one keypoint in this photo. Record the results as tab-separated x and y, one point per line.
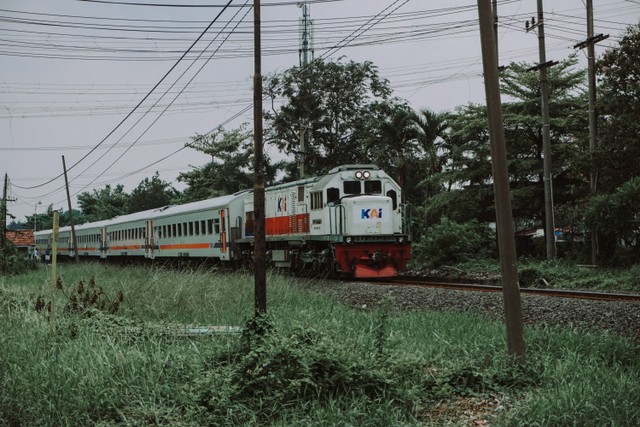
370	187
352	187
373	187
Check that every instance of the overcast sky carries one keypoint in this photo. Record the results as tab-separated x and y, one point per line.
75	74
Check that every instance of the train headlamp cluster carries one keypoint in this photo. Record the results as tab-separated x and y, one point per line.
363	175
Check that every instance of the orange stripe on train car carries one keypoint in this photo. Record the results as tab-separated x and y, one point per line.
126	248
186	246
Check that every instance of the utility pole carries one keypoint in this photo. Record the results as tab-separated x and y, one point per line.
3	213
494	8
259	247
549	229
74	241
305	40
589	43
504	215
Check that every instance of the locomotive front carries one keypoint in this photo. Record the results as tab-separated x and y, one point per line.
366	219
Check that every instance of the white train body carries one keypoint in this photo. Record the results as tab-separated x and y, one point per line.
349	222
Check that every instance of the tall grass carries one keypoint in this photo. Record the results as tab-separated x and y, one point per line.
316	362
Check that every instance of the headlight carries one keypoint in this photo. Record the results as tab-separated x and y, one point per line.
348	240
401	239
359	175
366	174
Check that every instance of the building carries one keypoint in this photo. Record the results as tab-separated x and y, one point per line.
23	241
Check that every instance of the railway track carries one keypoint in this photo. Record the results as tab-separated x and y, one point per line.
558	293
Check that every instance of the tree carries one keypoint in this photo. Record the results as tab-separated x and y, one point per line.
341	104
395	144
466	178
432	130
466	190
617	217
230	168
105	203
618	155
523	130
151	193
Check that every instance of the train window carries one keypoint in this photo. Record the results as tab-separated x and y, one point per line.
249	224
164	230
301	194
191	229
179	230
352	187
316	200
333	195
373	187
203	226
209	226
173	230
184	229
196	228
216	223
394	198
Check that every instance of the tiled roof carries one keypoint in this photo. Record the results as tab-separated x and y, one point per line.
21	237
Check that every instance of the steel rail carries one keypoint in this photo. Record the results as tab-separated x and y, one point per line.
558	293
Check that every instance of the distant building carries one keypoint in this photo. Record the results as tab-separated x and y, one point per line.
23	241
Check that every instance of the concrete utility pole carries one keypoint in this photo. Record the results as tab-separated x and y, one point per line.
259	247
504	216
74	241
593	118
494	9
3	213
549	229
305	48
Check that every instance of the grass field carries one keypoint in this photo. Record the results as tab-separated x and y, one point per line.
311	361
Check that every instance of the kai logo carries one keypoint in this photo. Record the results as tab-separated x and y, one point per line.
371	213
282	204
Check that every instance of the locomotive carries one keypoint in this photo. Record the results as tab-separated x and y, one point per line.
349	223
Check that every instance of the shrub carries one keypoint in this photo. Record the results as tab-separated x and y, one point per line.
11	263
449	242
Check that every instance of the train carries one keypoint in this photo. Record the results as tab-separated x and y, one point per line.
348	223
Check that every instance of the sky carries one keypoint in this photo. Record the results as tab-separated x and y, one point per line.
118	87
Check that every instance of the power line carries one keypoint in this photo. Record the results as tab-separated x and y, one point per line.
138	105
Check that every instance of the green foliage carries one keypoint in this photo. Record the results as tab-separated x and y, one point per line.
103	373
12	263
45	219
274	371
449	242
616	216
619	108
105	203
151	193
342	105
231	166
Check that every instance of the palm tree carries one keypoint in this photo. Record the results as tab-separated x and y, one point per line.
396	144
431	129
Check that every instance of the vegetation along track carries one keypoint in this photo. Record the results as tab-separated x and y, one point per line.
539	309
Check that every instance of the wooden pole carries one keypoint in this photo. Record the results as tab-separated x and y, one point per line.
504	216
259	249
54	278
74	241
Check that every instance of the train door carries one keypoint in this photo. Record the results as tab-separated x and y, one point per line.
149	249
223	231
103	242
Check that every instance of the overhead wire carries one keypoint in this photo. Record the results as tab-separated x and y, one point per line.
136	107
380	39
175	97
